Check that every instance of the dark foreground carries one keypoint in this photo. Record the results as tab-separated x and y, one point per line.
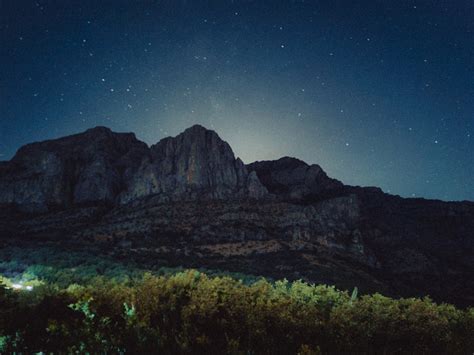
69	309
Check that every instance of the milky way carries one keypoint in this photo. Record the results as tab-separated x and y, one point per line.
378	92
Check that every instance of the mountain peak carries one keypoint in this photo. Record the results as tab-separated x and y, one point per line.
103	131
102	165
196	162
78	169
293	177
197	128
198	131
98	129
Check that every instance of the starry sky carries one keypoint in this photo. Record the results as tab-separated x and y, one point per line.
379	93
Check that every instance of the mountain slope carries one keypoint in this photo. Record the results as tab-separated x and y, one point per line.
196	163
83	168
102	166
188	201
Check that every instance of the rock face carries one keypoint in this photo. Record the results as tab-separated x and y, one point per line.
102	166
188	201
293	178
194	164
84	168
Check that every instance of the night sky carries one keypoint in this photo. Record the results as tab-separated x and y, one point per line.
378	93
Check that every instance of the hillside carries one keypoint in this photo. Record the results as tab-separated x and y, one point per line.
188	201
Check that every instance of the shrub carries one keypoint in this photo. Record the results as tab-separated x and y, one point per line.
191	312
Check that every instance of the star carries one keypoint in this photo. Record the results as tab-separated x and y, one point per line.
246	79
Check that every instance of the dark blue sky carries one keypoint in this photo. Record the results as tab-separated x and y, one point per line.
376	92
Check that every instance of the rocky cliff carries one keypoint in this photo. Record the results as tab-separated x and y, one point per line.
102	166
294	179
84	168
194	164
188	201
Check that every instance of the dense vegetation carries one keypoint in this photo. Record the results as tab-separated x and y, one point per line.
129	311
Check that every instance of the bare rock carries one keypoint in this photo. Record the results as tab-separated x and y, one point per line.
293	179
195	164
84	168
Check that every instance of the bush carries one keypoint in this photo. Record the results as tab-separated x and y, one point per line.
191	312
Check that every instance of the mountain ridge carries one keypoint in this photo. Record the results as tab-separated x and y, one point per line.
112	164
187	200
104	129
101	131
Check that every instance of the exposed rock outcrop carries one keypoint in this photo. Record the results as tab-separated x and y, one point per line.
84	168
194	164
293	179
188	201
102	166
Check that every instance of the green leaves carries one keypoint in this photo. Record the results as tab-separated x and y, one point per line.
191	312
130	312
354	295
83	307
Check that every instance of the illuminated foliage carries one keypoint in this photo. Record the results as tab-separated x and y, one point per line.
191	312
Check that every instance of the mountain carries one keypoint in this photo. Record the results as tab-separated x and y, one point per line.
194	164
102	166
83	168
188	201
